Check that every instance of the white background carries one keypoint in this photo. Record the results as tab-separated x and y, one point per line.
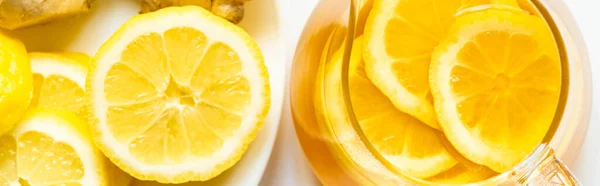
288	166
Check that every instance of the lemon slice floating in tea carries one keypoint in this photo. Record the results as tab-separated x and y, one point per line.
406	142
51	147
496	80
400	36
59	80
15	82
177	95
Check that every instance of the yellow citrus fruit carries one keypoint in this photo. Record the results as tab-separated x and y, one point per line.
463	174
59	81
15	82
51	147
177	95
406	142
400	36
496	81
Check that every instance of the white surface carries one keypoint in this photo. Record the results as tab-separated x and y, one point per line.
87	32
288	166
587	165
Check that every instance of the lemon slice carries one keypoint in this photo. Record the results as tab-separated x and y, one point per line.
51	147
463	174
15	82
177	95
59	81
409	144
399	40
496	81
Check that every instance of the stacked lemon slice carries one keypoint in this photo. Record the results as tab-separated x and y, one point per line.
478	79
54	143
496	84
407	142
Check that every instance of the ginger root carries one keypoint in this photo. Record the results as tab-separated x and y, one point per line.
153	5
15	14
232	10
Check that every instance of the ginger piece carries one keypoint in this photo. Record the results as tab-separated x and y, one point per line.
15	14
153	5
232	10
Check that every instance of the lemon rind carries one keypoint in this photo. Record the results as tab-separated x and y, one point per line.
47	64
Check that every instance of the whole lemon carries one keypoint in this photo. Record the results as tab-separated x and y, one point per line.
15	82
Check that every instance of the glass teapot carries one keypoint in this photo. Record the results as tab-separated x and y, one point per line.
341	154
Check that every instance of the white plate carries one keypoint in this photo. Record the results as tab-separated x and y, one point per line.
86	33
